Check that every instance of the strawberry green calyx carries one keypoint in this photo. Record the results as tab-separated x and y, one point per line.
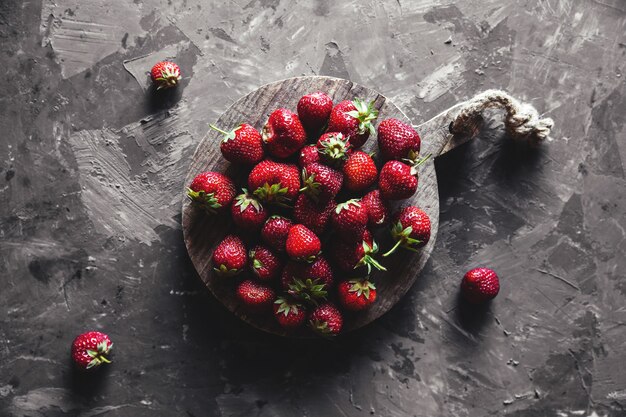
345	205
99	356
230	135
256	264
207	201
309	259
244	200
223	271
365	114
308	290
169	77
273	194
335	148
321	327
368	260
403	238
285	307
311	187
361	287
415	161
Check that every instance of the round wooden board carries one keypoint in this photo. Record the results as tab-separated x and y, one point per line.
202	232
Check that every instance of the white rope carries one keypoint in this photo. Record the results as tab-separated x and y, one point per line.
522	119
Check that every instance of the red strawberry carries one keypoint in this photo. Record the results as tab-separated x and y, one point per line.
290	315
308	154
349	219
480	285
90	350
242	145
352	254
333	148
359	171
230	256
255	296
274	182
247	212
313	215
303	244
283	133
397	140
397	181
411	229
212	191
314	110
308	282
165	74
354	120
321	182
274	232
326	320
265	264
377	208
356	294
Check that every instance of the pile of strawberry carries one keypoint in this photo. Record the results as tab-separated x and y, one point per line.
305	221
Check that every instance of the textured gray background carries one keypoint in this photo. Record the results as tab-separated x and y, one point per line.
91	174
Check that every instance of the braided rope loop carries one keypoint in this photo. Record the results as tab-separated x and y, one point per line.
522	121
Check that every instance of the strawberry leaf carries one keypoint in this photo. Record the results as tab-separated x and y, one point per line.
206	201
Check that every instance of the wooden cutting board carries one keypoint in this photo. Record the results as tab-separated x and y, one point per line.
202	232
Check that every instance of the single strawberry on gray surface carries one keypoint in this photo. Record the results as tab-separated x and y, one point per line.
480	285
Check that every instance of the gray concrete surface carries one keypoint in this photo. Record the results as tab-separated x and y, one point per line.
91	169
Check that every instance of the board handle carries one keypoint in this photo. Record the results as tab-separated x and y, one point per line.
463	121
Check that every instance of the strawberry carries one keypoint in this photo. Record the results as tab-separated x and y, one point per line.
326	320
397	181
480	285
349	219
397	140
411	229
90	350
308	282
356	294
290	315
283	133
230	256
314	110
255	297
247	212
302	244
377	208
242	145
359	171
320	182
333	148
354	120
313	215
165	74
308	154
352	254
274	182
274	232
211	191
265	264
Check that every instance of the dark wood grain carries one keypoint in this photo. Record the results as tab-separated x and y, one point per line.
202	233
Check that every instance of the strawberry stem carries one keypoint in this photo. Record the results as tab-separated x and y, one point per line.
421	161
218	129
392	250
373	262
